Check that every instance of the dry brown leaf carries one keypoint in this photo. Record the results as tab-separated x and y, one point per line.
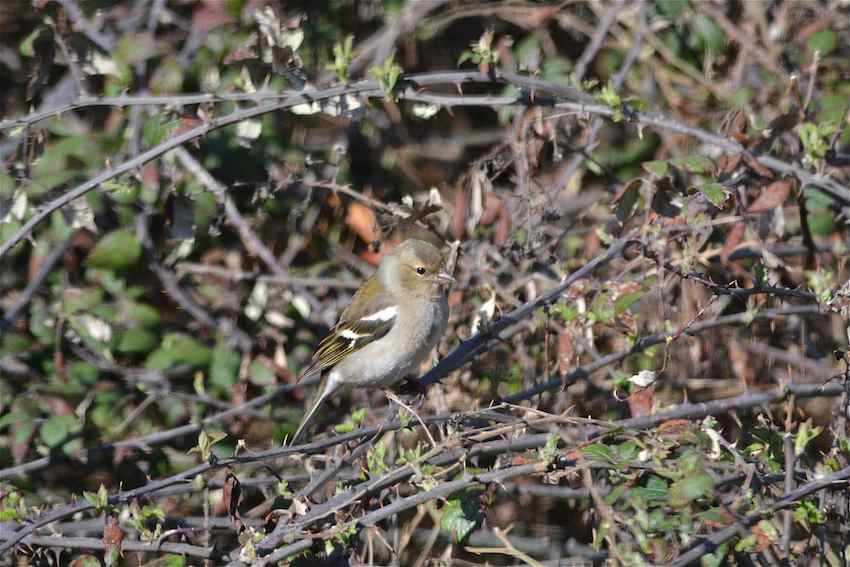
113	535
361	219
772	196
566	351
640	401
733	239
756	166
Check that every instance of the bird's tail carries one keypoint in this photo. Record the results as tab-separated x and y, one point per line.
326	388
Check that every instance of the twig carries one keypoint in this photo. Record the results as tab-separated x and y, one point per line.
126	545
659	338
14	312
82	25
470	348
159	437
370	88
181	297
237	276
508	549
252	243
741	37
711	543
596	40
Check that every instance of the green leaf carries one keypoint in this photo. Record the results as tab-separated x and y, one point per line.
117	250
260	374
92	561
83	373
690	488
168	77
805	434
134	48
694	163
656	167
715	193
81	300
627	451
655	491
627	300
137	340
26	46
205	443
123	193
460	516
599	452
56	429
707	34
824	41
178	349
387	74
141	314
156	129
7	185
626	199
224	368
671	9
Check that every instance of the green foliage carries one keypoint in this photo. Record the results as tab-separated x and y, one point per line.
694	163
206	442
609	97
224	368
177	349
352	422
118	250
815	138
99	499
689	488
824	41
376	460
343	54
657	168
461	515
56	430
480	52
387	75
808	513
806	433
142	517
715	193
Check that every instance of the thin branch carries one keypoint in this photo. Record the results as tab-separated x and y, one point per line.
158	437
645	342
716	539
252	242
14	312
126	546
238	276
470	348
596	40
410	84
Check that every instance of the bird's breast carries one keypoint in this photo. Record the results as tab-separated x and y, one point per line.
417	330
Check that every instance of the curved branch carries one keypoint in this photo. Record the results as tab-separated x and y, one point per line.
407	90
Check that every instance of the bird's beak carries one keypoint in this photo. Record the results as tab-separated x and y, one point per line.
443	278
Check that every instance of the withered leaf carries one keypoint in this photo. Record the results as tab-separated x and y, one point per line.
772	196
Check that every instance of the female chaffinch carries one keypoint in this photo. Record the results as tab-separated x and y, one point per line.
393	322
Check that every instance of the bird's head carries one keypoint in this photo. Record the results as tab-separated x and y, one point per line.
415	268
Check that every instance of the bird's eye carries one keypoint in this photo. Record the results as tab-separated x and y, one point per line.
420	270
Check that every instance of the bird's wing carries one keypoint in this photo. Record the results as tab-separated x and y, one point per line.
362	322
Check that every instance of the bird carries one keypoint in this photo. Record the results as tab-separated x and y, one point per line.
393	322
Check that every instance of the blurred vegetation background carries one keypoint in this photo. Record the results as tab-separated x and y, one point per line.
159	320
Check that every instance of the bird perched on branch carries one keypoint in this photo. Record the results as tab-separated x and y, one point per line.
393	322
